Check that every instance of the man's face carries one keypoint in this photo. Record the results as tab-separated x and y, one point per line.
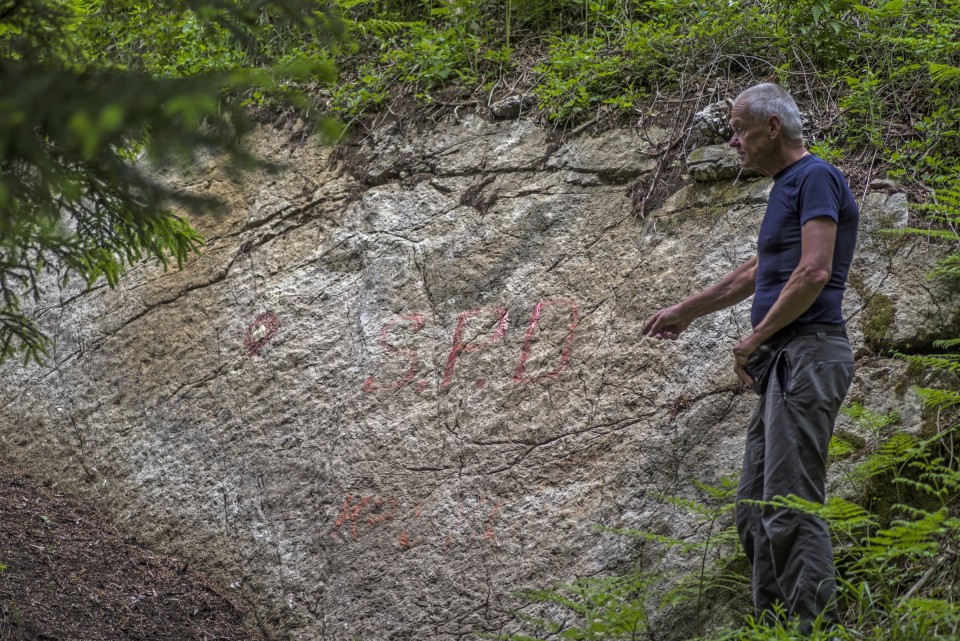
750	138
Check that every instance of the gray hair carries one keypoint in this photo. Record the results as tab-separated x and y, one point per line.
768	99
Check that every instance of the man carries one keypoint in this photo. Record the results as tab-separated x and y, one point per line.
804	251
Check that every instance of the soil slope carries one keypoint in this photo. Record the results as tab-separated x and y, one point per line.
71	575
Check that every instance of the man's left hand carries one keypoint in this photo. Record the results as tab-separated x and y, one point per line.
740	355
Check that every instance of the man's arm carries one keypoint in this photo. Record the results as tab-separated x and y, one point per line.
817	238
736	286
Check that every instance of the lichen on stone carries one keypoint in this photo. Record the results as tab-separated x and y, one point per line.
878	316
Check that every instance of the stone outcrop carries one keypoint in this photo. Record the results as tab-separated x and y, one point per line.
385	399
716	162
712	123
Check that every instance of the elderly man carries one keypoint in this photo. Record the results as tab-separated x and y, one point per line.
797	358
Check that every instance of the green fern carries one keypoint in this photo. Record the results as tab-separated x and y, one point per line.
845	518
890	456
916	538
370	26
605	607
943	210
841	447
947	362
937	397
868	419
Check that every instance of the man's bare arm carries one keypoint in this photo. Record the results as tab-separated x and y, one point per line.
736	286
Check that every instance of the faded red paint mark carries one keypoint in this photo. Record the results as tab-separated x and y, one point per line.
462	343
416	323
260	332
349	514
472	521
488	532
460	346
520	376
384	515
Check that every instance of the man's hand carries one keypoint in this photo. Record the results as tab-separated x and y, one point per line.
669	322
741	353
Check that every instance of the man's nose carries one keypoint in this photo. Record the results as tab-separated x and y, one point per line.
734	141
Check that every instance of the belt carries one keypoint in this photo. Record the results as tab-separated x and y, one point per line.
787	334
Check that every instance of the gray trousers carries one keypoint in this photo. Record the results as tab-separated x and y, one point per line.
786	453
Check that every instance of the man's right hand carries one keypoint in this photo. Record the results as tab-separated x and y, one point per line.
669	322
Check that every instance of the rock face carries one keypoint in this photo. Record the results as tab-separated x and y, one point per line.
712	123
716	162
377	406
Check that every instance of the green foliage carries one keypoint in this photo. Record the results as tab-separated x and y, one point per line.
433	58
943	212
602	608
869	420
99	92
912	539
824	25
619	607
579	75
841	446
890	456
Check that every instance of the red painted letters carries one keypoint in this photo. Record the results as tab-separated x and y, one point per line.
520	376
416	324
459	346
463	344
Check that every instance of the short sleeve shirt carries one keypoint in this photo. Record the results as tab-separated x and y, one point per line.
809	188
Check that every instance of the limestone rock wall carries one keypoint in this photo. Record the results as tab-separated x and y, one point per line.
382	401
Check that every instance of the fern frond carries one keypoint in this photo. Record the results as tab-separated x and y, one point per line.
933	478
724	492
949	267
945	74
930	610
693	585
869	419
890	455
933	397
945	199
948	362
668	541
907	538
839	513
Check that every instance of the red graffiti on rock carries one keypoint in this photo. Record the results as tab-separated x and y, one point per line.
460	346
498	318
416	323
260	332
468	521
521	376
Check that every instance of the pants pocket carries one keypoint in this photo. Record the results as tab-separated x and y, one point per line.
783	372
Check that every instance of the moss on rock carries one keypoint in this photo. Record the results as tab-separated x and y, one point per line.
878	321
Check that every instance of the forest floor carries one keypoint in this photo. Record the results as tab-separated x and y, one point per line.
71	576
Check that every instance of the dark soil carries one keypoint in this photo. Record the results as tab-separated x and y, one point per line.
70	575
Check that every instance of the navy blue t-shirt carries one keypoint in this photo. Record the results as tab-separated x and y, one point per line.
809	188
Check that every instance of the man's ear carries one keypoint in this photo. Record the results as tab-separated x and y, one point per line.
774	126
